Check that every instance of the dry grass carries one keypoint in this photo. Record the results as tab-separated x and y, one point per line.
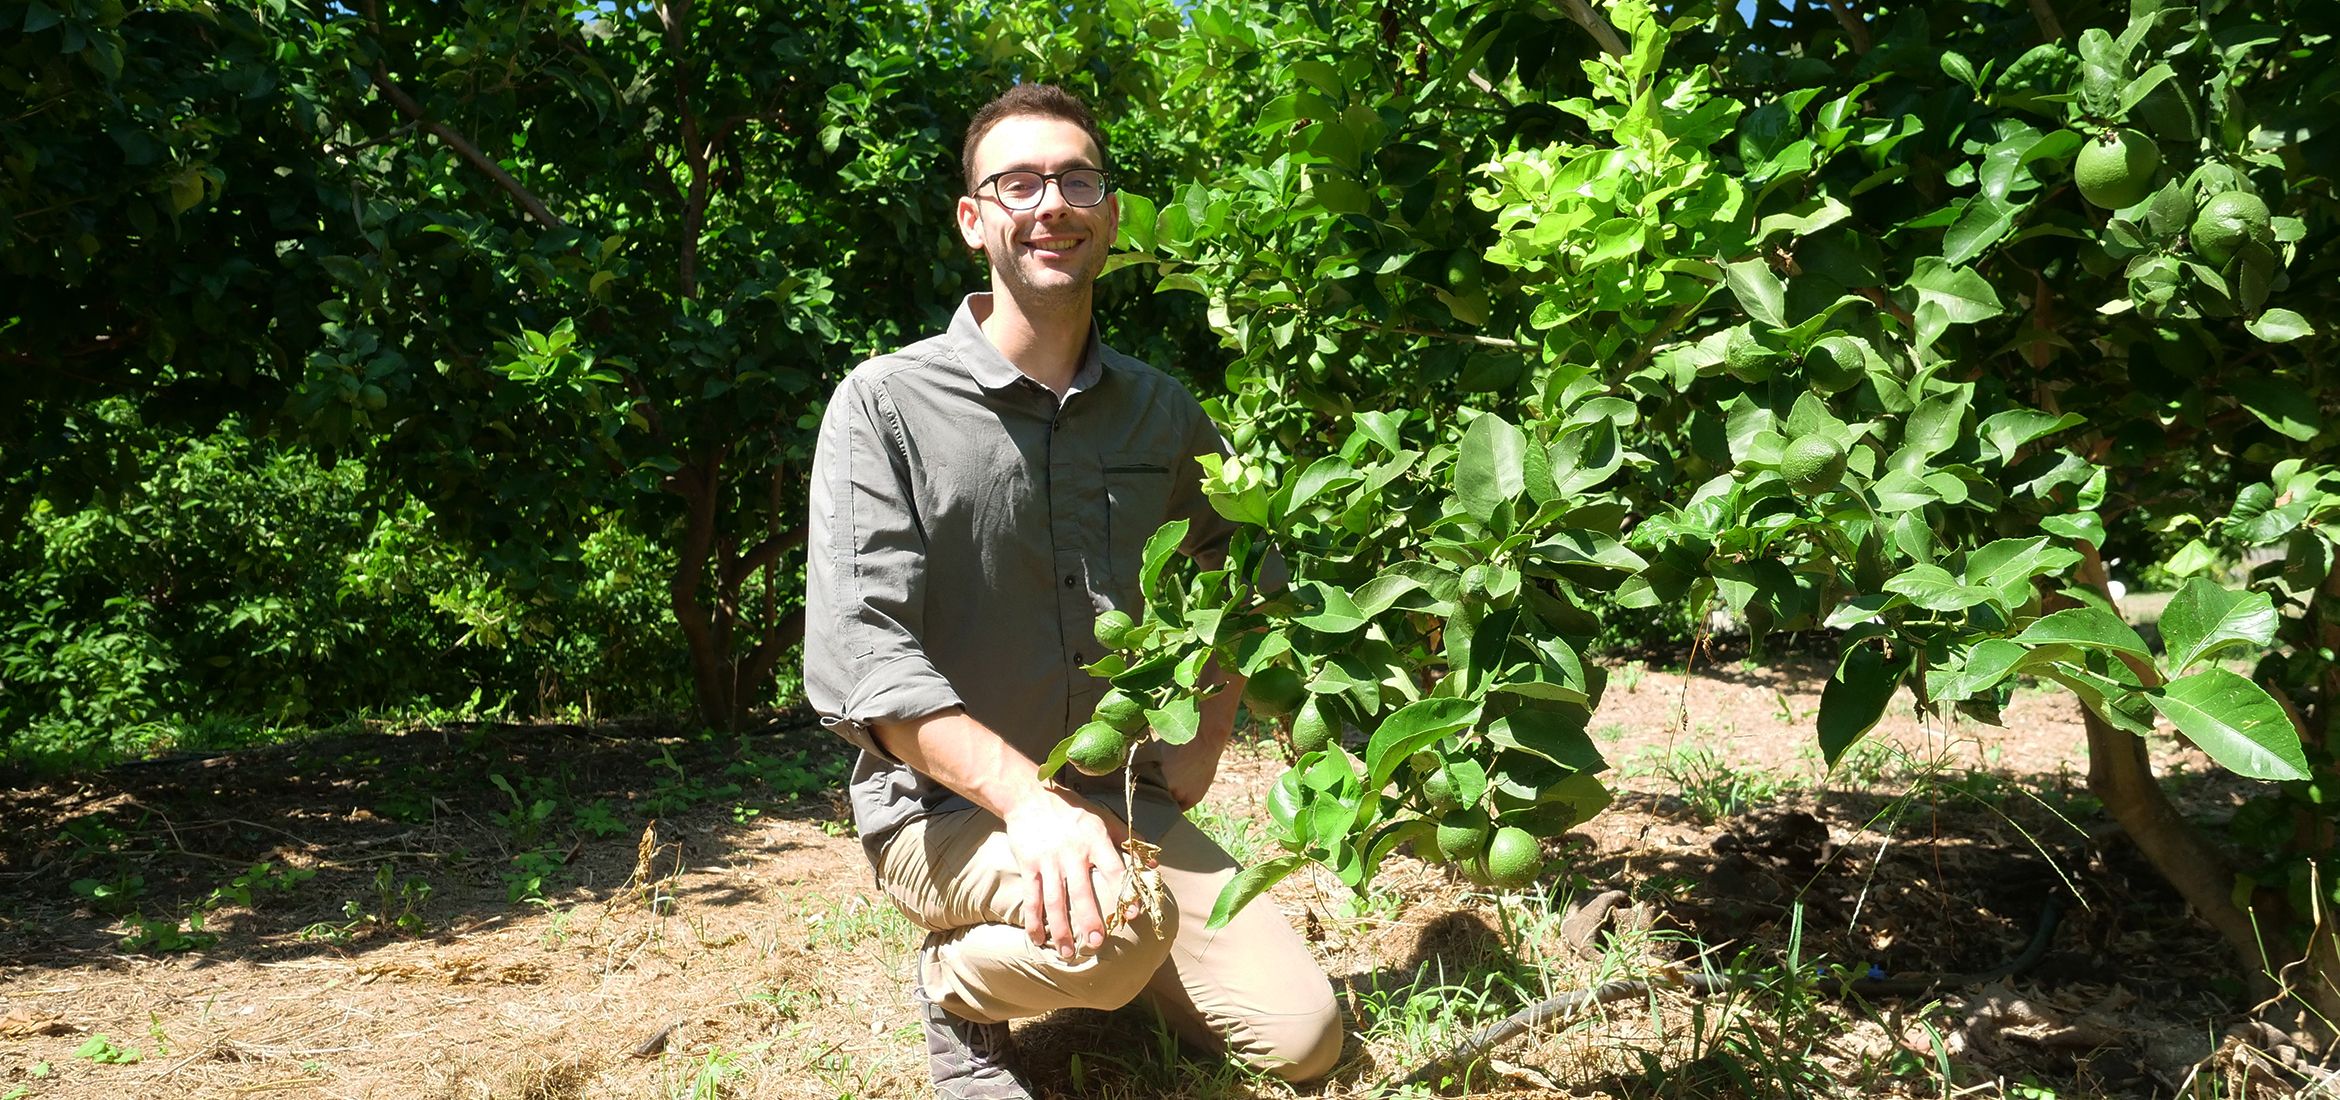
717	953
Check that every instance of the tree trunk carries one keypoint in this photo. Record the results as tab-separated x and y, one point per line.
2121	775
727	684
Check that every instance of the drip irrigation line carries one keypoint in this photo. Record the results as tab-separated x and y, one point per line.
1484	1042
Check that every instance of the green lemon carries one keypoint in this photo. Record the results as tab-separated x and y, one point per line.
2115	169
1274	692
1438	791
1462	834
1514	858
373	397
1466	289
1122	712
2226	223
1097	749
1835	364
1813	463
1114	628
1462	272
1312	727
1746	358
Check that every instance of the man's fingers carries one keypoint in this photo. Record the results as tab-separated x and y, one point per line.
1088	917
1035	908
1059	927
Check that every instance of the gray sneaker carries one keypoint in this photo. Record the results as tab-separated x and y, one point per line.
969	1060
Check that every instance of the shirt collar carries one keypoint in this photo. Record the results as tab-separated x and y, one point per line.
992	370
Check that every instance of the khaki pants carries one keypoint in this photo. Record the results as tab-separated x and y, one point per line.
1250	990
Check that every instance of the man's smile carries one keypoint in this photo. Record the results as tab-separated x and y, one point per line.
1054	246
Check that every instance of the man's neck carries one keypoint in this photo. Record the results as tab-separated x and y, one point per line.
1046	346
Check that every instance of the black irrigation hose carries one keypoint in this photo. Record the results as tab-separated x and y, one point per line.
2051	913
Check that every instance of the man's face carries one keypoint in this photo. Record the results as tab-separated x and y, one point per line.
1055	249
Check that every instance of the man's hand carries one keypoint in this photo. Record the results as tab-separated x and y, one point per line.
1071	856
1069	850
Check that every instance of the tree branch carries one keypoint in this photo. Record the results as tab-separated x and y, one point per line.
762	556
2050	28
1855	27
453	139
1596	25
697	155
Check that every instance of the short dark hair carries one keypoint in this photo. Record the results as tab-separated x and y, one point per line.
1045	100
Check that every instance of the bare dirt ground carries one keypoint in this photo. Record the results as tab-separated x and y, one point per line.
486	913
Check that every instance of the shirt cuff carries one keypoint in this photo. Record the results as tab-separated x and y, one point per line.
904	689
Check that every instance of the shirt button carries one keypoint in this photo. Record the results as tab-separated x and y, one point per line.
1080	658
1072	581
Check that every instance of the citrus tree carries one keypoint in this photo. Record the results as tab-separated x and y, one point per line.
545	269
1898	323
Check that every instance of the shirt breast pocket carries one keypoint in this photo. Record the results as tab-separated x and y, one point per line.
1137	501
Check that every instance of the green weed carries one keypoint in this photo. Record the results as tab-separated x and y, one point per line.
1713	789
102	1050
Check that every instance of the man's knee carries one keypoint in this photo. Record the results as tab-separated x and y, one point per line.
1123	965
1295	1046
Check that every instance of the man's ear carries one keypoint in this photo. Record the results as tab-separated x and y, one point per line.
971	222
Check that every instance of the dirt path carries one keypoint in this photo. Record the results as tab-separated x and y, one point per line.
736	947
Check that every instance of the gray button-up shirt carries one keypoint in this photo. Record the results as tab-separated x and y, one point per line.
967	527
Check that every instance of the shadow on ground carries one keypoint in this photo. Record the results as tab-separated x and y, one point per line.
326	846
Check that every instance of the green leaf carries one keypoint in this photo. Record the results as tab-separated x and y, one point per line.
1250	883
1330	609
1138	216
2236	722
1933	588
1414	726
2088	628
2287	408
1491	468
2008	566
1556	736
1987	663
1854	699
1055	761
1983	222
1949	295
2010	429
1159	547
2280	326
2204	619
1934	426
2194	557
1176	723
1759	291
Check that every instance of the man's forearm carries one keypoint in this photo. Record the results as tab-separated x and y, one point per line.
955	750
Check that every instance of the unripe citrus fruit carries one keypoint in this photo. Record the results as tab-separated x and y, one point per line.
1438	791
1097	749
1513	857
2115	169
1745	357
1274	692
1462	834
1812	463
1835	364
373	397
1122	712
1312	727
2226	223
1114	628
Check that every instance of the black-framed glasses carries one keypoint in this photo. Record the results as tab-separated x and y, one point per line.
1022	189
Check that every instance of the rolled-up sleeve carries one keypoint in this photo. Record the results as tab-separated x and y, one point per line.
865	583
